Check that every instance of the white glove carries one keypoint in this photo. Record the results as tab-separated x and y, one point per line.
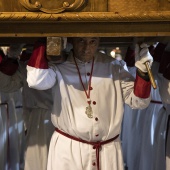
15	50
142	56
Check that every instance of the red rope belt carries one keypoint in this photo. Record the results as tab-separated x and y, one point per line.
96	145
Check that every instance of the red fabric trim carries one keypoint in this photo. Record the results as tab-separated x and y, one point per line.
2	53
142	88
9	67
38	58
96	145
2	56
1	59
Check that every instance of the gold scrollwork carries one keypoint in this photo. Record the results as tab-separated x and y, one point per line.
37	6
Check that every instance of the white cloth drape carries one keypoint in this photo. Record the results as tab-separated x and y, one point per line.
143	133
11	130
37	107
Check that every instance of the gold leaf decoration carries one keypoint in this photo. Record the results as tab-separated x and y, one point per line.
37	6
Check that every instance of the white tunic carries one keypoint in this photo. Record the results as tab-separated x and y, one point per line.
165	95
143	133
37	114
112	85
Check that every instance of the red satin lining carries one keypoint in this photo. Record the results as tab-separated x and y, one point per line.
142	88
38	58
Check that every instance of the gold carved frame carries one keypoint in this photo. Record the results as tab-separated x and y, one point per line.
37	6
38	21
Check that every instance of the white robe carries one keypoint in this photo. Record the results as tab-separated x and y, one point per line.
11	131
112	85
37	107
4	147
165	95
143	133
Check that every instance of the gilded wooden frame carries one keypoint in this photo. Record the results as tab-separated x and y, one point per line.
37	6
105	24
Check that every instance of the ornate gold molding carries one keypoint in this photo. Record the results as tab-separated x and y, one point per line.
86	17
66	6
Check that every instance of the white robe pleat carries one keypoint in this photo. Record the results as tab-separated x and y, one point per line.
12	151
36	114
143	134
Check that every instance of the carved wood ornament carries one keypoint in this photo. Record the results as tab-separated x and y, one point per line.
68	18
37	6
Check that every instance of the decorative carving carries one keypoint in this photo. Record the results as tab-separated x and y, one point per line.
66	6
86	17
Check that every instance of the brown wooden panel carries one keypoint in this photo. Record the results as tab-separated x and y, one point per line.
164	5
102	29
84	24
96	6
124	6
5	41
121	6
10	6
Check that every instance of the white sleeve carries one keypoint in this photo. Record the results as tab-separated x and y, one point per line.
40	79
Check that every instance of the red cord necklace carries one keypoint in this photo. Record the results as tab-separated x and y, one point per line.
88	111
